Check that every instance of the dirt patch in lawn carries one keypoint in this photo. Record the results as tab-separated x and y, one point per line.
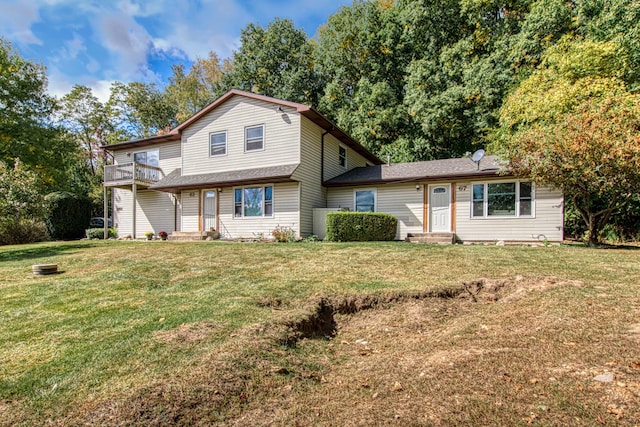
488	352
187	333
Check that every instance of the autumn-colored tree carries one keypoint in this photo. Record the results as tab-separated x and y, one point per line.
574	125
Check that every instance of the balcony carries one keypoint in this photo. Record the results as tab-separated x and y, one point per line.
126	174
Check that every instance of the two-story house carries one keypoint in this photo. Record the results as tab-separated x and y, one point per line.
248	163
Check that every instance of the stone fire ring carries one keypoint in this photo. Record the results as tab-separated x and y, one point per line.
43	269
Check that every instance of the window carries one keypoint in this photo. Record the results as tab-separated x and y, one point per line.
254	138
365	200
502	199
148	158
253	201
342	155
218	144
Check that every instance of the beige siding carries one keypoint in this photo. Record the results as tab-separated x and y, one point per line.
400	200
405	203
152	207
190	214
332	166
281	136
312	194
286	210
547	223
155	212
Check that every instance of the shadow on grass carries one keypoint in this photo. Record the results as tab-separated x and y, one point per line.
627	246
20	253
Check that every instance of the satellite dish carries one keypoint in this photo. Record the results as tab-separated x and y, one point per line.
477	156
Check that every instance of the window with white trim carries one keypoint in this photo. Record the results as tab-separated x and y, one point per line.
365	200
254	138
502	199
254	201
218	144
342	156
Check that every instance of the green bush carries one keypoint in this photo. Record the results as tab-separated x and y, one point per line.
68	215
360	226
17	231
98	233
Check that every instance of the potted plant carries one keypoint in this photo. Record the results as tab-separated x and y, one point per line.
163	235
149	235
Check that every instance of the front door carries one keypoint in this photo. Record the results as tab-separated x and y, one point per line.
209	210
439	208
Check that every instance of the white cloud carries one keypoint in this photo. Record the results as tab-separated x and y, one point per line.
74	46
16	20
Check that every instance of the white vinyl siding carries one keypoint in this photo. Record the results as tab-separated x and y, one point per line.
545	221
280	145
400	200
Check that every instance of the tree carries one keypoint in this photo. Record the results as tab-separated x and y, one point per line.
140	110
574	125
192	91
26	128
274	61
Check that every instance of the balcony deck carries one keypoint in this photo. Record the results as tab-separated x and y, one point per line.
127	174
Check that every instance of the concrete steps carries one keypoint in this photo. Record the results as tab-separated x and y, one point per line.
193	235
433	238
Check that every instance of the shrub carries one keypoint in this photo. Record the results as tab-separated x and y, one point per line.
284	234
17	231
98	233
360	226
68	215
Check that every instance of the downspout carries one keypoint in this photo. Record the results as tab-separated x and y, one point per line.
322	163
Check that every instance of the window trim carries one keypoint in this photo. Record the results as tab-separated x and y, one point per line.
375	198
226	143
246	129
345	157
242	205
485	201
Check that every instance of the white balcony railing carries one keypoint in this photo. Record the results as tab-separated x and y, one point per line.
128	173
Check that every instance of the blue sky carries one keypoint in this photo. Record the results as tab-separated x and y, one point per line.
95	42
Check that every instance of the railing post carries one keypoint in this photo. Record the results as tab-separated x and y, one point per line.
105	215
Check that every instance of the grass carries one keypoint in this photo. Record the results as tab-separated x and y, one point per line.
183	333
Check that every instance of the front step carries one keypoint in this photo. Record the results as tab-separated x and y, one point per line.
193	235
440	238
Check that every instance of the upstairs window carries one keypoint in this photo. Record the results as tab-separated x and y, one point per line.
502	199
342	156
253	202
254	138
218	144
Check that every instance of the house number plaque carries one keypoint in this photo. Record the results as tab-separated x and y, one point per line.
462	188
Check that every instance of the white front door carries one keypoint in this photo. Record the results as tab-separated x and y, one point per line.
439	208
208	210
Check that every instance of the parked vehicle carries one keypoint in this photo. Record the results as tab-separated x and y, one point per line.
98	222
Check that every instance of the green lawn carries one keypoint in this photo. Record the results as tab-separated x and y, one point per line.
94	332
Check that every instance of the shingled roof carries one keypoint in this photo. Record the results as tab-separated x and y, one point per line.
176	182
417	171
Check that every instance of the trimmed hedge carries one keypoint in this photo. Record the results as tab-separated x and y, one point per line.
360	226
68	215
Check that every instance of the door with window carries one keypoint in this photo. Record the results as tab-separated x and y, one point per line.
209	207
439	208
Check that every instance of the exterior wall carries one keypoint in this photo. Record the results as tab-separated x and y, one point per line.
286	210
155	211
312	194
546	224
332	166
281	136
399	200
